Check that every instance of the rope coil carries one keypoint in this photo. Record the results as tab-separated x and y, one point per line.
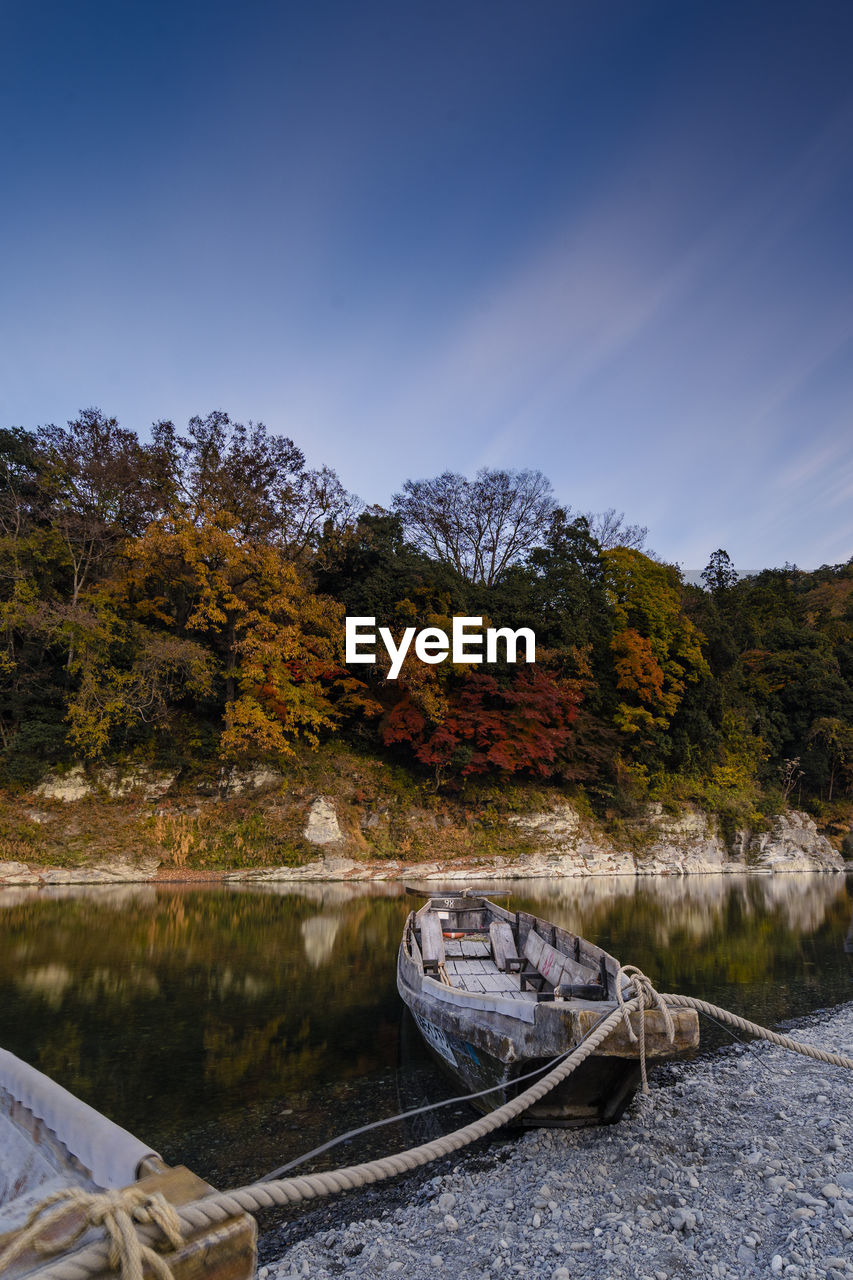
118	1212
219	1206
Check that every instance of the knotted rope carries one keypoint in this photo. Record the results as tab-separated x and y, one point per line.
649	998
117	1212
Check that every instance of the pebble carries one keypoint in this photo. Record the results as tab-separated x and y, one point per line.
683	1220
732	1168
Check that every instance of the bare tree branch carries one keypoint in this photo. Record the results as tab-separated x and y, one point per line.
611	530
480	526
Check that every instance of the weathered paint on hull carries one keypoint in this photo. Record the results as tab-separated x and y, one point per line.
596	1093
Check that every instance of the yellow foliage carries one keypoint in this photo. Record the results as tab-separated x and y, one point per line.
278	645
656	648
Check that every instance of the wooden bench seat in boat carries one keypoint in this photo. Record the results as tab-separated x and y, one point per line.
548	965
432	944
482	976
504	951
469	948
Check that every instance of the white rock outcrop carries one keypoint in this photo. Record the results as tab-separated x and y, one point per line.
682	844
233	782
77	784
566	847
73	785
322	826
17	873
794	844
124	872
150	784
323	869
686	843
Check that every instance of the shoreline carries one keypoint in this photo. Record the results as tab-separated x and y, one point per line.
738	1164
20	875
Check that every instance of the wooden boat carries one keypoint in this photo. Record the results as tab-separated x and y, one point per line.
497	994
50	1140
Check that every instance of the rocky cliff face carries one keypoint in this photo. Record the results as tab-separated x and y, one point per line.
566	846
682	844
337	831
794	844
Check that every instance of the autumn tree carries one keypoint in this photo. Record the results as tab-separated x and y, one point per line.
277	646
129	677
521	726
480	526
656	649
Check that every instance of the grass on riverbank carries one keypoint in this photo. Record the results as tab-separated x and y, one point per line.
207	822
213	820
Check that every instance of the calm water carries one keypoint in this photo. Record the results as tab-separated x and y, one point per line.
236	1029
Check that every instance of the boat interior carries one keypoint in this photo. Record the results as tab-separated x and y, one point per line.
472	944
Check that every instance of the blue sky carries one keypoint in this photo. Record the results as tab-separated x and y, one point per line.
609	241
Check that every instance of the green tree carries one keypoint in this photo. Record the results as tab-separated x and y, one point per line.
719	573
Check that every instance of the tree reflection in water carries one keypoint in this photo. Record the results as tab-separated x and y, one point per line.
234	1027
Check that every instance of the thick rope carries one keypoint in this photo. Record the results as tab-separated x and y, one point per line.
117	1212
219	1206
648	998
760	1033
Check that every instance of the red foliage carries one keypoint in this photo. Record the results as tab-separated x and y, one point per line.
521	727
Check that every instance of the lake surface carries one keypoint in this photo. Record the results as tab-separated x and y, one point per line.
234	1029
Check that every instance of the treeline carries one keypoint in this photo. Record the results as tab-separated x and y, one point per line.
184	599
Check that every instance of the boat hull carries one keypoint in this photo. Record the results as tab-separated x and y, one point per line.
492	1044
596	1093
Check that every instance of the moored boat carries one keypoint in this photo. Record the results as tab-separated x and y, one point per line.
51	1141
499	994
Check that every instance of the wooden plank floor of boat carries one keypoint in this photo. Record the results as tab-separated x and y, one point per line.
470	966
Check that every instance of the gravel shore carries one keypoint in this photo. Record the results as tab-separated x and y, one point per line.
736	1165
